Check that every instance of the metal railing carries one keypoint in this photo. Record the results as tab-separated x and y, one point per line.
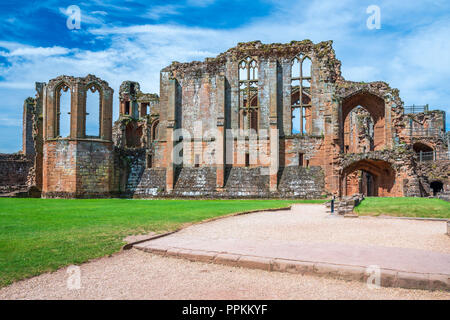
416	109
433	155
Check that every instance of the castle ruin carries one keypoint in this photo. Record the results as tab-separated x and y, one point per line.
257	121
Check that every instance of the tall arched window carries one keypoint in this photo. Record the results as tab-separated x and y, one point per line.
154	130
63	106
300	93
93	111
358	131
248	94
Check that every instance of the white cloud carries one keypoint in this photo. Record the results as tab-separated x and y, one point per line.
36	51
200	3
102	13
158	12
11	122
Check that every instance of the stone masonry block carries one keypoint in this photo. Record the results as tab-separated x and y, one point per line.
227	259
255	263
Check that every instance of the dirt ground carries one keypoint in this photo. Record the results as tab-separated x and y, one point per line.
135	274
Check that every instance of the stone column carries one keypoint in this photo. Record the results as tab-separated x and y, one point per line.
106	115
273	119
171	103
220	139
50	116
39	101
78	111
388	134
27	127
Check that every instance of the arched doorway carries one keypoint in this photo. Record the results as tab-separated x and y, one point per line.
424	151
374	106
436	186
369	177
420	146
358	131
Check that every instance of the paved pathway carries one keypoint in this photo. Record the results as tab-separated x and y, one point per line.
409	253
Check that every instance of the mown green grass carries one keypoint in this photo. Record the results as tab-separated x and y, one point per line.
405	207
39	235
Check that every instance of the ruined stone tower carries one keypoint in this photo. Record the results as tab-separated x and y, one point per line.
77	165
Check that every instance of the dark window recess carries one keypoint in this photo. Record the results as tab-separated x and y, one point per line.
254	120
247	159
197	161
149	161
300	159
127	107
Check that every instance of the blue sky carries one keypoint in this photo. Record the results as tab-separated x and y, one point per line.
134	40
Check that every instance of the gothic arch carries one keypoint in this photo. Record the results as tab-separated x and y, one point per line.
375	105
61	86
93	87
380	171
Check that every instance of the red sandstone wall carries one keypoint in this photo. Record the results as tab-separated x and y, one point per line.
59	172
77	168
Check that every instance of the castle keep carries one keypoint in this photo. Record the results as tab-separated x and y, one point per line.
257	121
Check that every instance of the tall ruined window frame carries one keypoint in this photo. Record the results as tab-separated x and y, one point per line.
302	91
154	130
57	127
248	93
94	87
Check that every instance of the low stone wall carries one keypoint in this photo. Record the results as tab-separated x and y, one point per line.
195	182
300	182
14	170
345	205
429	171
152	183
240	182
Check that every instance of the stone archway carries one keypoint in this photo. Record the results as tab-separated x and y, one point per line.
375	106
369	177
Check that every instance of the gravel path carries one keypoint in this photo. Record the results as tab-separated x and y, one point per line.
311	223
135	274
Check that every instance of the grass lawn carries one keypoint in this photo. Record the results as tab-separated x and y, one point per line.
405	207
39	235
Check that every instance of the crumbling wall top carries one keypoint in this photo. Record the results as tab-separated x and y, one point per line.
323	51
346	89
131	90
70	81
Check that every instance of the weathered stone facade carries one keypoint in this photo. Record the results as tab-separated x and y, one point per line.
257	121
77	165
